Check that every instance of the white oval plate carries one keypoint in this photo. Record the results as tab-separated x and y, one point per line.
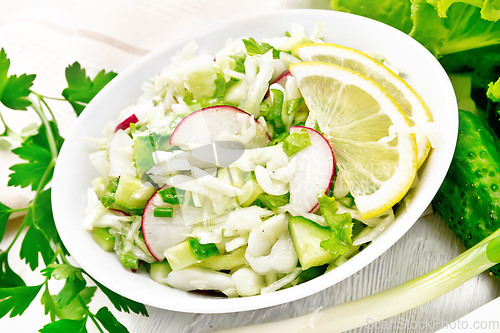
74	172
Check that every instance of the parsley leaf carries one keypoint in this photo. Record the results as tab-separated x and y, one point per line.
31	173
41	140
4	217
41	232
71	289
35	243
41	216
121	303
49	304
36	151
16	91
8	278
61	271
65	326
4	68
81	89
109	321
17	299
74	309
75	283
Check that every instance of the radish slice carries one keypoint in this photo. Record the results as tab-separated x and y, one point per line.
135	114
119	212
161	233
281	80
126	123
314	172
219	123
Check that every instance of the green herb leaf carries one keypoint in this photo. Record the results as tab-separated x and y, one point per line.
71	289
16	91
75	282
17	299
41	139
273	114
49	304
254	48
35	243
220	86
121	303
66	326
8	278
74	309
62	271
203	251
4	217
239	62
81	89
108	320
340	226
31	173
41	232
296	142
4	69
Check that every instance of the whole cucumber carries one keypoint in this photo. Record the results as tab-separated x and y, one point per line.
469	198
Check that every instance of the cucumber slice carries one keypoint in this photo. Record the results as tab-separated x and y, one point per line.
99	186
131	194
203	251
129	260
226	261
104	239
159	271
180	256
307	236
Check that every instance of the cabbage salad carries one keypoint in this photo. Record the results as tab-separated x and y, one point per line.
216	179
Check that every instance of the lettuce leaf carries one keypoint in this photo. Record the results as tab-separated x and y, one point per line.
442	26
340	225
394	13
490	9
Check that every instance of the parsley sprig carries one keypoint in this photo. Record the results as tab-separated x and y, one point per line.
68	308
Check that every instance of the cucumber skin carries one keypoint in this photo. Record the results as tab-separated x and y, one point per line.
469	198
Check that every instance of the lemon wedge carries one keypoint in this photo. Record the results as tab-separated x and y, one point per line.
355	113
411	103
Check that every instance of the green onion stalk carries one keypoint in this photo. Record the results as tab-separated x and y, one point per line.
393	301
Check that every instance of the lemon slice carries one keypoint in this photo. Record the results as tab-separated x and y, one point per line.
354	113
411	103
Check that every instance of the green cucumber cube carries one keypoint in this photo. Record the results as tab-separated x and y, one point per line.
131	194
159	271
104	239
307	236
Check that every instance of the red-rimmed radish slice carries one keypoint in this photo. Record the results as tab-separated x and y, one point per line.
219	123
281	80
161	233
118	212
134	114
126	123
314	172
